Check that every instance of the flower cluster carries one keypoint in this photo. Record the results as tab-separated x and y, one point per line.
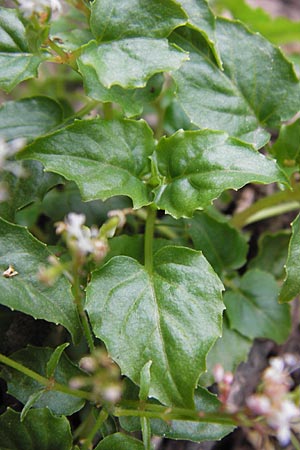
274	401
29	7
104	378
84	244
82	240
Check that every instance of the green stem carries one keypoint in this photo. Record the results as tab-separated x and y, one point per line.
282	198
149	234
153	411
108	111
79	114
82	314
103	415
56	48
146	432
49	383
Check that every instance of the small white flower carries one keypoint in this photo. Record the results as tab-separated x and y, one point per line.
74	223
28	7
259	404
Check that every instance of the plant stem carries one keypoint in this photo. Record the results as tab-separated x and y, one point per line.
153	411
146	432
108	111
103	415
149	233
82	314
282	198
80	113
126	408
49	383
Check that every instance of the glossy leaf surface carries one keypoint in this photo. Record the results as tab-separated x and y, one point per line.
40	430
120	441
29	117
16	62
129	62
257	88
22	387
171	318
105	158
291	285
202	19
114	20
197	166
253	309
24	292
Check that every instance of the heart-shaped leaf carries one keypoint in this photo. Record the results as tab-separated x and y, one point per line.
257	88
105	158
171	317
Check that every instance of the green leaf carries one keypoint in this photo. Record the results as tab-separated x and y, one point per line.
29	117
272	253
171	318
131	100
197	166
120	441
40	430
291	285
257	88
23	191
110	62
54	359
287	147
22	387
105	158
253	309
24	292
224	247
239	348
16	62
202	19
181	429
114	20
12	32
145	381
32	399
279	30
